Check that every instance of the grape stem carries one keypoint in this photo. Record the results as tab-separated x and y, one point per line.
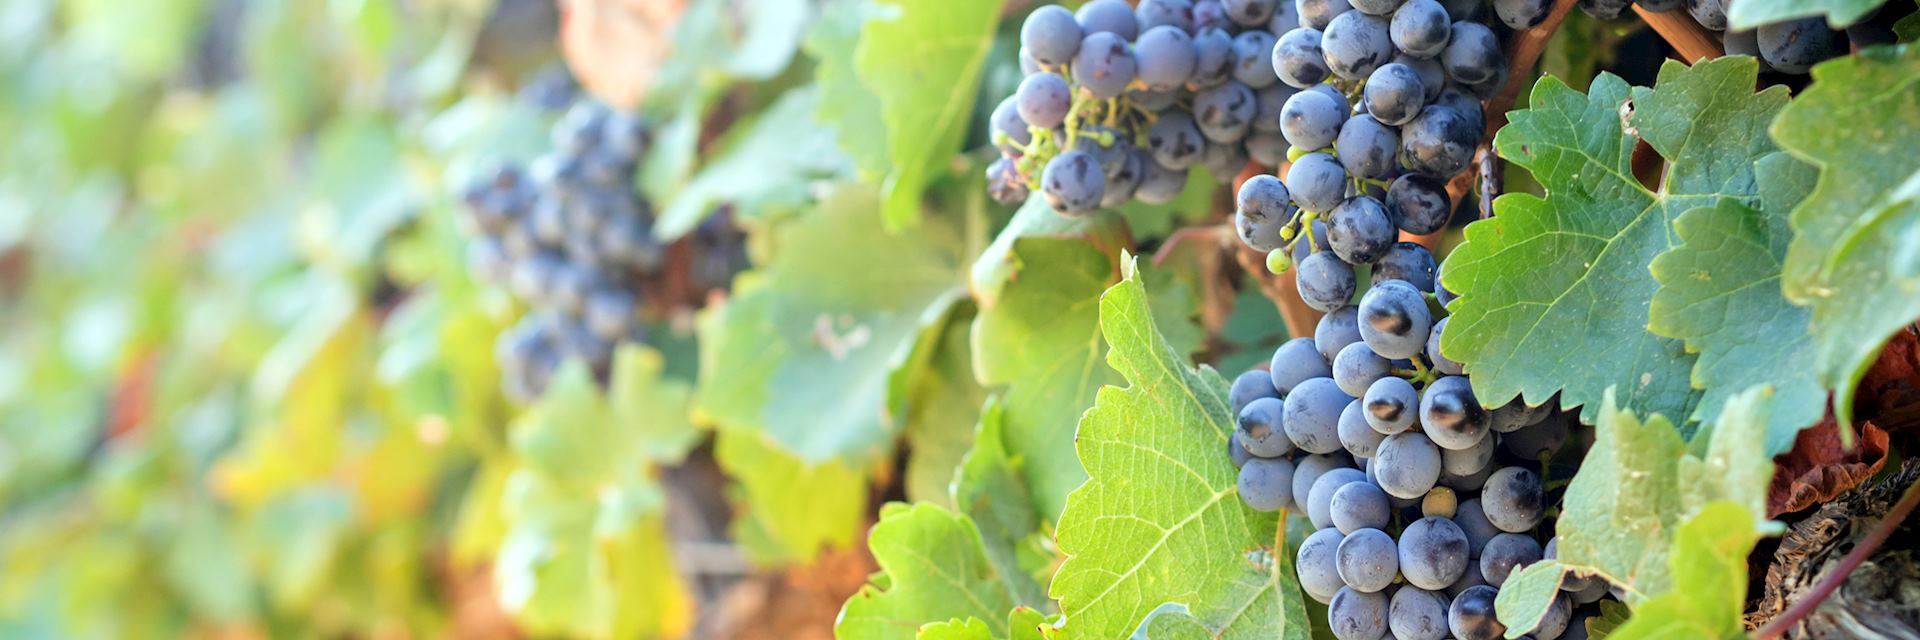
1687	37
1838	575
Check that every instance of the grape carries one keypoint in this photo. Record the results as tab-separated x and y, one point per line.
1252	385
610	311
1509	418
1227	159
1267	148
1408	262
1308	470
1468	461
1316	181
548	220
1355	44
1360	232
1440	141
1440	502
1213	58
1514	500
1294	362
1376	7
627	240
1472	53
1164	58
1237	452
1153	101
1109	16
1335	331
1417	614
1367	149
1711	14
1155	13
1319	505
1159	185
1367	558
1505	554
1050	35
1175	141
1225	112
1302	247
1440	292
1317	14
1356	368
1420	28
1250	13
1004	182
1356	435
1794	46
1356	615
1072	183
1536	441
1261	236
1043	99
1325	283
1009	128
1394	320
1253	58
1297	59
1418	203
1471	616
1488	88
1658	6
1467	482
1554	624
1209	14
1028	65
1593	593
1391	404
1472	520
1466	105
1310	120
1260	430
1265	484
1319	576
1394	94
1104	66
1360	505
1451	414
1408	464
1522	14
1264	198
1312	415
1125	182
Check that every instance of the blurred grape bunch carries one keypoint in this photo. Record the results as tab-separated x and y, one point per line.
569	236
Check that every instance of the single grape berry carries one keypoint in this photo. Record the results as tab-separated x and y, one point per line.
1260	428
1420	28
1050	35
1165	58
1073	183
1297	58
1108	16
1408	464
1294	362
1324	282
1451	415
1312	415
1104	65
1319	576
1355	44
1472	617
1265	484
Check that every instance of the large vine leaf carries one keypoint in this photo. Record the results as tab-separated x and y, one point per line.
1720	291
844	101
808	348
1855	256
1709	567
1160	521
990	490
770	164
1554	291
943	406
585	551
923	60
1747	14
1635	488
997	264
935	569
1041	338
790	509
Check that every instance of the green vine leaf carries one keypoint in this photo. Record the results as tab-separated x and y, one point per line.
808	349
1747	14
935	569
1159	521
767	165
923	60
791	509
1709	566
1554	291
1857	236
844	101
991	491
1637	486
969	629
943	406
1720	291
586	551
1041	340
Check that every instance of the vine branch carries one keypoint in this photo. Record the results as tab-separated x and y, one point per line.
1682	33
1834	578
1522	52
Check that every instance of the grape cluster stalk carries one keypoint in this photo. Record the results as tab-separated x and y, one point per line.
1424	502
567	235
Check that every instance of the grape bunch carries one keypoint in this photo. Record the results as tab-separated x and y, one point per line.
568	236
1424	501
